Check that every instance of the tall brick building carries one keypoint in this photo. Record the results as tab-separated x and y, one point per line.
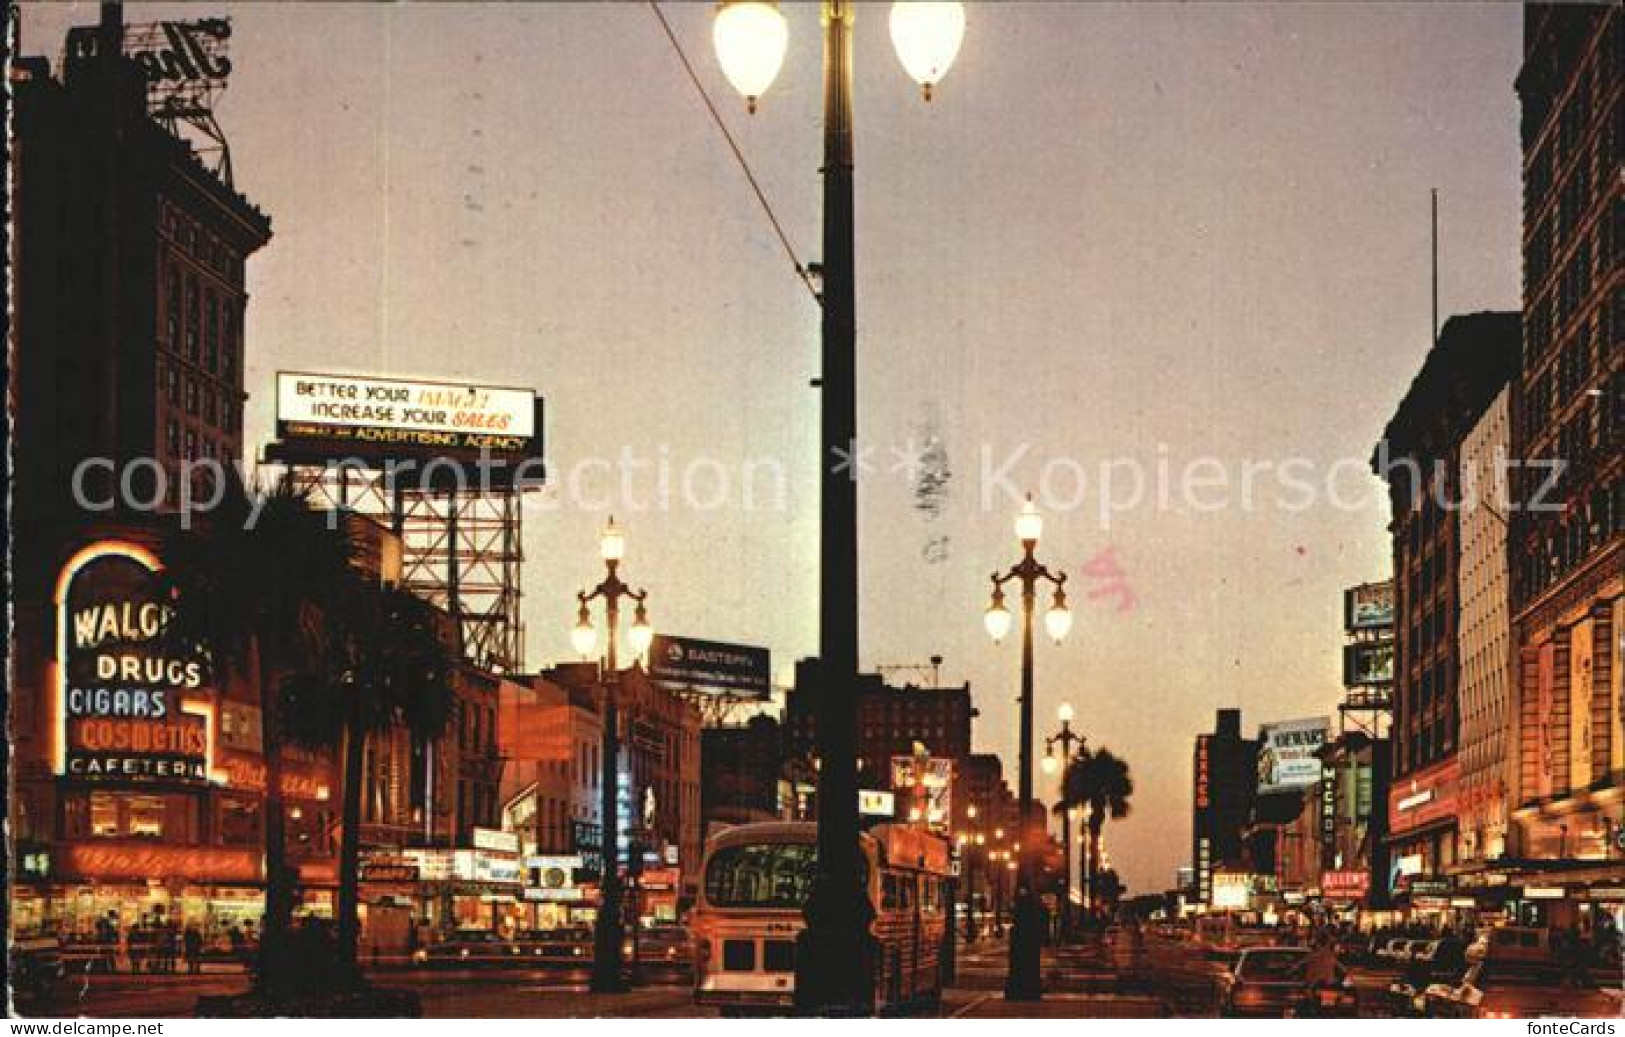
1567	549
1420	457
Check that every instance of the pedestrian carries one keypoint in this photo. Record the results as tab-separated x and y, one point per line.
171	945
106	942
234	937
1320	969
193	943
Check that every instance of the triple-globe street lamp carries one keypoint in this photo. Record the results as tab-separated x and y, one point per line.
1065	738
608	968
1024	980
835	966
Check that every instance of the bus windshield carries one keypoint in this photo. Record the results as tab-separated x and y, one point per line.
761	875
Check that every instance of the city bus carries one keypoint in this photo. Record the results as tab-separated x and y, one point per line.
754	886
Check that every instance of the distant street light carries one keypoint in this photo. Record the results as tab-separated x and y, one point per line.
608	965
1065	738
833	973
1024	980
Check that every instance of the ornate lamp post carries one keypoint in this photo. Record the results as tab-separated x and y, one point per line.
834	973
1024	980
1065	738
608	975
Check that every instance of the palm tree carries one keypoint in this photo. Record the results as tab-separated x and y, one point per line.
250	589
1099	782
395	673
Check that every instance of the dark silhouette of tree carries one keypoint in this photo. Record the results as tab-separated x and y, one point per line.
393	670
250	588
1099	782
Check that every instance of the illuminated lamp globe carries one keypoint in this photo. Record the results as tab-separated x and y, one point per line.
1029	524
1049	764
641	633
927	35
1065	713
750	38
1058	620
998	620
583	638
612	542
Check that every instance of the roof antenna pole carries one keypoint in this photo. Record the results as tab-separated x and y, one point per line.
1435	325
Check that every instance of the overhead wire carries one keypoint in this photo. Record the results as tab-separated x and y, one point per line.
801	269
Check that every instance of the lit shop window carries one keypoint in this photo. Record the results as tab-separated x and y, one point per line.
122	815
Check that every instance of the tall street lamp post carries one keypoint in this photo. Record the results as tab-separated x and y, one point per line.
608	976
1065	738
834	973
1024	981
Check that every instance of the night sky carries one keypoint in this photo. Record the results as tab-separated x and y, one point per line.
1117	232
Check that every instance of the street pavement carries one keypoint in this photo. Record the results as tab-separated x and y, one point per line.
1119	975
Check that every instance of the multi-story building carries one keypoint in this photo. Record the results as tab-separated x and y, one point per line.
1484	646
740	771
981	784
891	722
1352	812
1567	550
659	803
129	299
1224	778
1420	458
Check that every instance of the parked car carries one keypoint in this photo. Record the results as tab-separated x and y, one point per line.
1394	951
1503	988
665	945
555	946
470	947
36	965
1270	981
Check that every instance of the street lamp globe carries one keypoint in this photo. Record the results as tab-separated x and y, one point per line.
927	35
641	633
1058	620
1029	524
750	39
998	618
583	638
612	542
1065	713
1050	764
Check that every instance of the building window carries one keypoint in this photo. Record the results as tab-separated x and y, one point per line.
191	445
172	312
193	317
172	438
211	331
191	396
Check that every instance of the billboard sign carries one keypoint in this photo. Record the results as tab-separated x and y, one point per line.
1369	606
1368	664
127	709
1286	755
874	803
552	878
740	670
336	416
932	775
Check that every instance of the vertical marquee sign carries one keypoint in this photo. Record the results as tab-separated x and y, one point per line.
120	711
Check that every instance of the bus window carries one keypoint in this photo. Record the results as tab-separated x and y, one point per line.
888	892
767	875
